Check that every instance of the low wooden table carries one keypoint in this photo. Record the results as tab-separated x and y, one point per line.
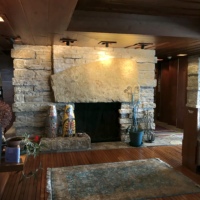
9	167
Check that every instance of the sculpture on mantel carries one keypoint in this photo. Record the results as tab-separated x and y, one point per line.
69	128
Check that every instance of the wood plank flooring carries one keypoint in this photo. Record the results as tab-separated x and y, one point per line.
35	189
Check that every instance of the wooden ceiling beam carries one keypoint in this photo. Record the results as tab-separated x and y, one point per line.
90	21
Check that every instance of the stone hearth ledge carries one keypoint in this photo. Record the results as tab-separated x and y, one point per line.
59	144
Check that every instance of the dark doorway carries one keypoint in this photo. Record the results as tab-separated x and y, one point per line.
99	120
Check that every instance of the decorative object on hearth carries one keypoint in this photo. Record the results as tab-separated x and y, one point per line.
69	127
148	131
51	128
135	132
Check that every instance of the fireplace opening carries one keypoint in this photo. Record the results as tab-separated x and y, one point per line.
99	120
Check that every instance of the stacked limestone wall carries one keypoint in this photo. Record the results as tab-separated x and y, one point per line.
33	66
193	86
32	91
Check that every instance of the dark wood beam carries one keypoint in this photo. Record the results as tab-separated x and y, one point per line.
134	24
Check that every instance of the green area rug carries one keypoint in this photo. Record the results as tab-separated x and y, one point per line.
140	179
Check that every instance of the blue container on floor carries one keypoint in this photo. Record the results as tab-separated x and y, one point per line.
136	138
12	154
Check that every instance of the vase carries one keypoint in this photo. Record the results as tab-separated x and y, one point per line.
52	122
136	138
69	128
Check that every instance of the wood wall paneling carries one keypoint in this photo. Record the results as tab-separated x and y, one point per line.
191	132
182	92
173	73
173	85
164	92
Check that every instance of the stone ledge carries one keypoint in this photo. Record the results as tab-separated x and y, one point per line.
66	143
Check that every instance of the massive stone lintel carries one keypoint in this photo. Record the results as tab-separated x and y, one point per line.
101	81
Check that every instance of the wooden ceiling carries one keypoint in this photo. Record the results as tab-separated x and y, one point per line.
169	27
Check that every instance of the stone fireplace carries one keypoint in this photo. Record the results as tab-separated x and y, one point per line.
70	75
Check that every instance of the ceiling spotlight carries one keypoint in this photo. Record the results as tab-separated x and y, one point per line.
106	43
169	57
182	54
68	41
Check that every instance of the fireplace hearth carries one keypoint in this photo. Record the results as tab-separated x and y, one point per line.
99	120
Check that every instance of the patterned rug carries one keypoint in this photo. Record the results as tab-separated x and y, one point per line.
140	179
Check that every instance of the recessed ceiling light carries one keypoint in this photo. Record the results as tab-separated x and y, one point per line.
182	54
1	19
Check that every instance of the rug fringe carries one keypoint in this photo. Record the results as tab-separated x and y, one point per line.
49	185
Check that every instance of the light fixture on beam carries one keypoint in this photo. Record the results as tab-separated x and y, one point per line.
107	43
1	19
142	45
68	41
14	40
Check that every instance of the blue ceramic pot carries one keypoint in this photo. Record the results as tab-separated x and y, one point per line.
136	138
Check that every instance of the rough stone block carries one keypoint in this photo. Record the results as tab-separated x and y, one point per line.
40	74
33	106
193	81
23	89
29	124
45	57
59	67
23	53
24	73
48	97
19	98
147	82
146	67
66	143
95	82
30	130
42	88
33	98
125	121
146	75
23	117
18	63
193	69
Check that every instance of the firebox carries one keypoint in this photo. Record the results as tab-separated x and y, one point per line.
99	120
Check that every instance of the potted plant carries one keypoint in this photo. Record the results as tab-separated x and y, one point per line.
134	130
32	147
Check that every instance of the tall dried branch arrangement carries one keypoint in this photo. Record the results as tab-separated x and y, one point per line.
5	114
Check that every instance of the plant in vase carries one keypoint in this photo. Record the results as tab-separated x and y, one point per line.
32	147
134	130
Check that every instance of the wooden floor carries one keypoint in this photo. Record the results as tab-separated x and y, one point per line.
31	189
